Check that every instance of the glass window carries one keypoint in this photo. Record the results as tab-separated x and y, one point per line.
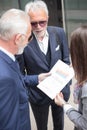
75	12
22	3
7	4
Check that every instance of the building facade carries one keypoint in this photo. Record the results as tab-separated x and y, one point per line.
68	14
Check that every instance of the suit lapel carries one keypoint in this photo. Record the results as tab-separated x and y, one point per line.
52	42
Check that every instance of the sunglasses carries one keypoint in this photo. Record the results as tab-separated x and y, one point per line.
41	23
30	38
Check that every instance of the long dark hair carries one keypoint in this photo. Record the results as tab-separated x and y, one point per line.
78	50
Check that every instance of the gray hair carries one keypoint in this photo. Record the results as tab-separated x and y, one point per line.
35	5
12	22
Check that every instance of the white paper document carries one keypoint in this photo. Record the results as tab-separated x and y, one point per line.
61	74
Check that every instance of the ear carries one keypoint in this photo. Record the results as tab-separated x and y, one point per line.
19	38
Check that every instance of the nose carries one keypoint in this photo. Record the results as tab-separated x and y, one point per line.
38	25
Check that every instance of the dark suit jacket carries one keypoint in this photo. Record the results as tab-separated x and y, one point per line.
35	62
14	110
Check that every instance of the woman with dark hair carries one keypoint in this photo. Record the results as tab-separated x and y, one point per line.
78	50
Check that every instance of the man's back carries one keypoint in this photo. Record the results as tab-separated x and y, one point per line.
14	111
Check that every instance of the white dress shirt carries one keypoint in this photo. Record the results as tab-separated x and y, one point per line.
43	44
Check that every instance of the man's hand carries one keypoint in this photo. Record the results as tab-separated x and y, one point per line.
42	76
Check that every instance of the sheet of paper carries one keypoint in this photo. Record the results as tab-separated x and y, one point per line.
61	74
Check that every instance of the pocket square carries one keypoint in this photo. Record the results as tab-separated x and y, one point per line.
57	48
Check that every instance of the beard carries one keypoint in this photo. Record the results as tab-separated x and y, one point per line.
20	51
39	34
21	48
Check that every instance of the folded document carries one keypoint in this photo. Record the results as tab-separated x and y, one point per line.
61	74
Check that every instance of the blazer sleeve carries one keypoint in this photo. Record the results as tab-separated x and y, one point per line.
30	80
9	105
79	119
64	45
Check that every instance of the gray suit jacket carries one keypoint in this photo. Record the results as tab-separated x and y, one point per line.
79	118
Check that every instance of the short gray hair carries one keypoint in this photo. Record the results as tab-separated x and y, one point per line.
12	22
38	4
